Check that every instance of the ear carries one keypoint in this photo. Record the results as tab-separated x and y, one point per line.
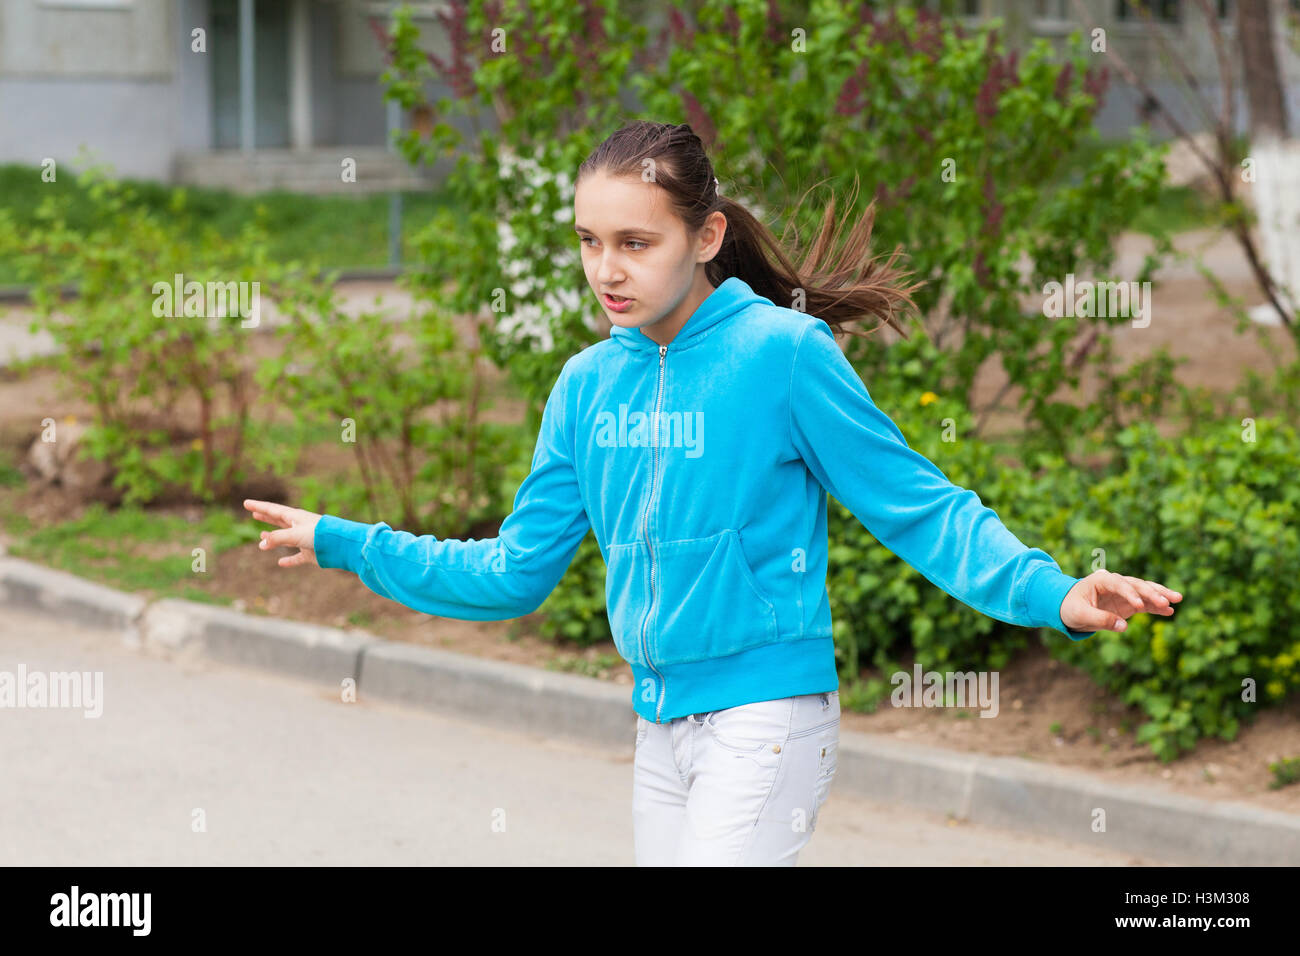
710	236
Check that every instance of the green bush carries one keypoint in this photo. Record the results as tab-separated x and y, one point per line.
575	610
969	151
408	398
1215	515
553	86
151	365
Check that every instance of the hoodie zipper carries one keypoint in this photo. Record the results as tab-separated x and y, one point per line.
645	528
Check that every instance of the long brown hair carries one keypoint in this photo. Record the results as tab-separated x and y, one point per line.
840	283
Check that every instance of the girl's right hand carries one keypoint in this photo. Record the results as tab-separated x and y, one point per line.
299	531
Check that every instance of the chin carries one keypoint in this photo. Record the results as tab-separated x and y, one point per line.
622	321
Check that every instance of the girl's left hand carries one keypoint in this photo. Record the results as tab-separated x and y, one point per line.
299	531
1104	600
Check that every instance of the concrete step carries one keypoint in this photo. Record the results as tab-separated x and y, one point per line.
315	171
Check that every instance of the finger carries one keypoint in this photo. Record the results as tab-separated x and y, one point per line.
268	511
278	539
1119	585
270	520
1154	600
1097	619
293	560
1173	596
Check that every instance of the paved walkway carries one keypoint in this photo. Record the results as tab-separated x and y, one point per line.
285	773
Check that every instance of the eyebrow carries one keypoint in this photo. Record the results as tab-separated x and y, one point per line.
621	232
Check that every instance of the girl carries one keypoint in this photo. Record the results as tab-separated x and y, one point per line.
699	443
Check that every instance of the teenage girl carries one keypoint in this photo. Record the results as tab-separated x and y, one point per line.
699	442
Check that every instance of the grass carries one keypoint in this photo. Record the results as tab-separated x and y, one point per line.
341	231
1285	772
132	549
1180	208
10	475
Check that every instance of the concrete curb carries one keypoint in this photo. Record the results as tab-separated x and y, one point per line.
998	791
1058	802
322	655
506	695
31	586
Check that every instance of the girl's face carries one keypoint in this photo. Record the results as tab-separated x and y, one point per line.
634	246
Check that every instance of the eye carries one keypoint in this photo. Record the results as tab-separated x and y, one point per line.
582	240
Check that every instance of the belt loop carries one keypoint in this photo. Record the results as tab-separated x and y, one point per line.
826	701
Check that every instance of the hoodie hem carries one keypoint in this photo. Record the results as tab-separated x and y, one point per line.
771	672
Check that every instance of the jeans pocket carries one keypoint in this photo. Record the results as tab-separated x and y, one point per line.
642	728
827	760
757	730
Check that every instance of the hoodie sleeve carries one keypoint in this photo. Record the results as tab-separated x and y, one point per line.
491	579
944	531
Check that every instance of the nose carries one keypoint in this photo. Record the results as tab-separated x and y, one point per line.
609	271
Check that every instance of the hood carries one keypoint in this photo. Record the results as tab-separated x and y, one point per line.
732	296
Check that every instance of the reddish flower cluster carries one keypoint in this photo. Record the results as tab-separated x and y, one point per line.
1002	75
1063	82
457	72
884	196
699	120
993	209
775	33
848	102
1095	82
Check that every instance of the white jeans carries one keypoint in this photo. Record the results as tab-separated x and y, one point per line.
740	786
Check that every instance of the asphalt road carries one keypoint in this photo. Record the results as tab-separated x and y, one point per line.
206	764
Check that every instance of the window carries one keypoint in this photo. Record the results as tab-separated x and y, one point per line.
1163	11
951	8
89	4
1051	10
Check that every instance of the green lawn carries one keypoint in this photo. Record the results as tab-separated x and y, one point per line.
132	549
345	232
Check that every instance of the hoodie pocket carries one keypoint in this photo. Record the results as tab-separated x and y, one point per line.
707	603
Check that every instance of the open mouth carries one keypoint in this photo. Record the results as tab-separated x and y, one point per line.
616	302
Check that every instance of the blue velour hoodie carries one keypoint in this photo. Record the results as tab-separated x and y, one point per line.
703	467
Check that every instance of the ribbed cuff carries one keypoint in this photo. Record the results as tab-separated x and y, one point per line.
339	542
1044	593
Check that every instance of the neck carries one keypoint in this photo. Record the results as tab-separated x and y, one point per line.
666	329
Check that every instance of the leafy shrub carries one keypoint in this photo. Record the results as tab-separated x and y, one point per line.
971	153
169	379
553	86
1214	515
575	610
408	397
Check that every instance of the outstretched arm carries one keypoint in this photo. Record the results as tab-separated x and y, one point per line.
487	579
944	531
